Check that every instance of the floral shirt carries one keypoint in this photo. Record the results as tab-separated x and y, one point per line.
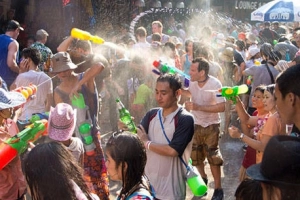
45	52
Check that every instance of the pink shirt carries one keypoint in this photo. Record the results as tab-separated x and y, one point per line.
273	126
12	181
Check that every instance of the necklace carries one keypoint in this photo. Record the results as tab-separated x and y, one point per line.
204	80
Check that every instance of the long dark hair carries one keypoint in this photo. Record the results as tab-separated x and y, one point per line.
49	169
128	148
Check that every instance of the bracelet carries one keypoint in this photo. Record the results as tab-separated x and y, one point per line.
148	144
242	136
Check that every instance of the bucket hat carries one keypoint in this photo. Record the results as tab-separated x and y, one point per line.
61	61
10	99
280	163
62	121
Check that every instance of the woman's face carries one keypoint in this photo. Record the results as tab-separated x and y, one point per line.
189	47
269	101
114	172
257	99
64	74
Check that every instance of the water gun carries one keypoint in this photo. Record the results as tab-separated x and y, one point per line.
84	35
84	125
28	92
17	144
230	93
165	68
39	116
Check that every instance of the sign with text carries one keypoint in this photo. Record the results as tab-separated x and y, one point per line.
248	5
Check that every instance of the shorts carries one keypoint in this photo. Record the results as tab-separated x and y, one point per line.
206	145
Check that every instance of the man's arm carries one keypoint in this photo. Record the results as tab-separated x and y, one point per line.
219	107
12	56
182	136
88	78
64	46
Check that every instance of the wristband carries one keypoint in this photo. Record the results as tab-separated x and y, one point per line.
242	136
148	144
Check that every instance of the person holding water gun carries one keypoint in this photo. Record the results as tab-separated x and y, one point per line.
12	182
84	83
31	58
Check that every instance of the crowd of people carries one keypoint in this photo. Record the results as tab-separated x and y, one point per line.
177	124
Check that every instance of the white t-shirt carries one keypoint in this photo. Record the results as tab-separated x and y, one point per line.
207	95
76	147
37	104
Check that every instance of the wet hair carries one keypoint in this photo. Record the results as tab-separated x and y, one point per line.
156	37
49	169
159	24
173	80
202	64
141	31
169	45
249	189
288	81
266	50
260	88
33	54
204	51
270	88
186	44
84	44
128	148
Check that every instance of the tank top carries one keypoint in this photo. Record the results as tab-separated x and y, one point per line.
187	64
5	72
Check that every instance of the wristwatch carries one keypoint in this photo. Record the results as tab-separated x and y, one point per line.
242	136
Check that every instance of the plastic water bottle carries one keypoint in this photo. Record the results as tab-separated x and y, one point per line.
84	124
287	55
195	182
125	116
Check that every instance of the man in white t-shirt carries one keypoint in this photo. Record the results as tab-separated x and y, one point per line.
32	75
205	107
167	133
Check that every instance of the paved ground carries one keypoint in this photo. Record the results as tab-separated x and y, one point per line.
232	153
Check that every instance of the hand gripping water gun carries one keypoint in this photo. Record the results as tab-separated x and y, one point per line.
28	92
231	92
17	144
165	68
39	116
84	35
84	125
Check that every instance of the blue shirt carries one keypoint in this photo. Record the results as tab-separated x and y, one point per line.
5	72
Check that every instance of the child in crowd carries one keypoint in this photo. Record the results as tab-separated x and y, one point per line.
12	182
62	122
125	161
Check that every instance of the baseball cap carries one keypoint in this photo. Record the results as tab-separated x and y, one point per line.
13	25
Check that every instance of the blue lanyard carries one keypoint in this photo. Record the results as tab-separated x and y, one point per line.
163	129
